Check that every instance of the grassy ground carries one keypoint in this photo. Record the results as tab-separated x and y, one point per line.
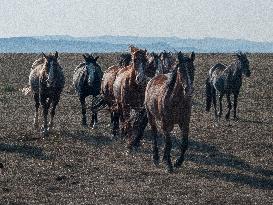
224	165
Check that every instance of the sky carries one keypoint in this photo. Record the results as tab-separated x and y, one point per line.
232	19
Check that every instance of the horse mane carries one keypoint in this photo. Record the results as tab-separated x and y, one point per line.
172	81
37	62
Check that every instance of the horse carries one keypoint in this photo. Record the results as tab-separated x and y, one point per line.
167	60
168	100
129	88
226	80
124	59
87	81
46	82
109	77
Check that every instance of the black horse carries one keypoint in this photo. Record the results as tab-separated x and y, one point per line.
87	81
226	80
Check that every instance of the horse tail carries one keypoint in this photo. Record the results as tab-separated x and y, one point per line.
209	94
172	82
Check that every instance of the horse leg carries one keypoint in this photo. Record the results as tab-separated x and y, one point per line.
52	112
229	106
214	100
167	151
221	95
125	119
152	123
94	120
82	100
45	106
235	105
139	127
37	104
115	122
183	145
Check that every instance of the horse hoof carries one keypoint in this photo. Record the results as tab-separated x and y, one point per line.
44	132
94	126
84	125
170	169
156	161
178	164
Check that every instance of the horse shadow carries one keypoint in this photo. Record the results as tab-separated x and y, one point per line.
25	150
208	154
97	139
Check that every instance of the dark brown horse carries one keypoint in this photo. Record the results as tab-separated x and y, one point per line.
168	99
129	88
46	81
166	63
226	80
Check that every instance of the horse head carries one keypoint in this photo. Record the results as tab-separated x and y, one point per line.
125	59
153	64
244	63
50	67
186	67
139	64
91	64
167	61
188	61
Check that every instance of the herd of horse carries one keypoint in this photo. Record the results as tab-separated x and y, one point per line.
143	88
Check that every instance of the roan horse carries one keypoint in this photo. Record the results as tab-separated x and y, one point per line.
129	88
47	81
168	99
87	81
226	80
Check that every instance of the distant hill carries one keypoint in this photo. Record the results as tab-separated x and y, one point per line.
65	43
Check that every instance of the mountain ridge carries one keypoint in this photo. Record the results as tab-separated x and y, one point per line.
108	43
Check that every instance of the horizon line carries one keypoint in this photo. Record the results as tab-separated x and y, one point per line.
135	36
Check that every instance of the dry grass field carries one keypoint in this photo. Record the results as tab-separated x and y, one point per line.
75	165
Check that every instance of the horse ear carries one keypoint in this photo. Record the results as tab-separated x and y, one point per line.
133	49
96	58
180	56
84	56
56	54
44	55
192	56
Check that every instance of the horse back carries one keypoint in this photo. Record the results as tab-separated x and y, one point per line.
167	102
34	77
217	69
126	91
108	82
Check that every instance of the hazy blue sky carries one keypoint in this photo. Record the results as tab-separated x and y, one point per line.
244	19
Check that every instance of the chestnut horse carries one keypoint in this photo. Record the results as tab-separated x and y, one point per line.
168	99
47	81
109	77
129	88
87	81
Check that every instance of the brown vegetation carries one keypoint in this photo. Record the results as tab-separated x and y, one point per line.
231	165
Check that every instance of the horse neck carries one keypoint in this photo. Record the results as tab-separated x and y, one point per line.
236	69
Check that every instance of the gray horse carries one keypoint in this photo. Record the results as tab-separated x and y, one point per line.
87	81
226	80
47	81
